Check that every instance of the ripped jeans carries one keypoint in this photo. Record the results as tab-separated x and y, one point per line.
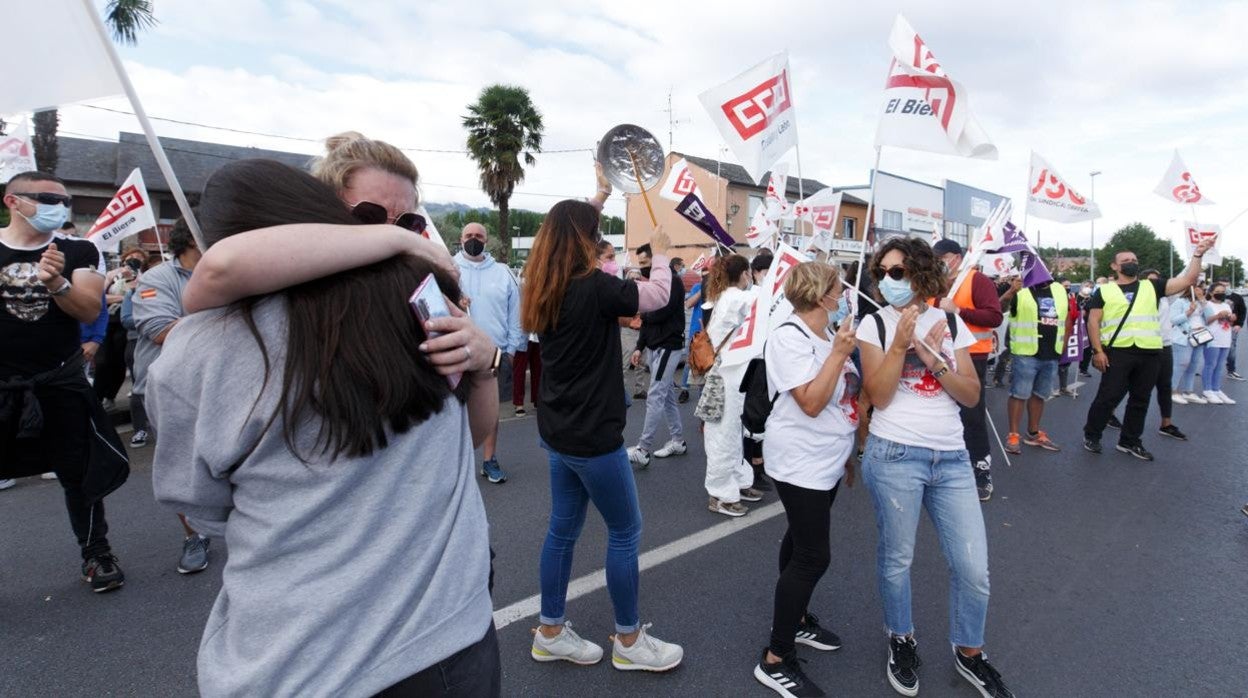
902	480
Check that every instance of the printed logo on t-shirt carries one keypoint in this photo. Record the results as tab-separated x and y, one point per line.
1048	312
25	298
849	400
917	379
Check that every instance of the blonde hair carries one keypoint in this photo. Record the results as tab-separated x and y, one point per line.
808	283
349	152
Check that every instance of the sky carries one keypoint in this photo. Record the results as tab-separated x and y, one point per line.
1108	86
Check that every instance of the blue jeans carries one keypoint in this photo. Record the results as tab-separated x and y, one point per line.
1032	376
661	399
1184	367
607	480
1230	356
1215	361
902	480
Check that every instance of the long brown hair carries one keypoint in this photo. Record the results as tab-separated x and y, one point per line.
726	272
565	248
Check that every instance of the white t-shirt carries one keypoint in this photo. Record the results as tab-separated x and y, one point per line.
801	450
1221	329
921	413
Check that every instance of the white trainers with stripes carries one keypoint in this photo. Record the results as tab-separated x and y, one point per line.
566	646
648	653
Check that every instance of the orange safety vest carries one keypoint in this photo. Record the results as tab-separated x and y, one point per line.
962	299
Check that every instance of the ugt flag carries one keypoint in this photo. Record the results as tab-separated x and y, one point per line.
1052	198
1178	186
1195	233
924	108
16	153
129	212
696	212
73	67
754	113
680	182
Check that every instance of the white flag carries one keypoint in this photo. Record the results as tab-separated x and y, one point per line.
822	209
72	67
762	230
1195	233
924	108
17	155
768	310
1053	198
777	204
937	233
680	183
129	212
1179	186
999	265
754	113
431	230
988	236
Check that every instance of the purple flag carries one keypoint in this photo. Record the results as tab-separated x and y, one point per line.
1032	268
692	208
1075	344
1012	240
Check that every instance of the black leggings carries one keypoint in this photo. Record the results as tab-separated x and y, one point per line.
473	672
805	554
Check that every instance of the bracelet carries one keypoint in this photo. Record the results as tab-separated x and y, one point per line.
64	288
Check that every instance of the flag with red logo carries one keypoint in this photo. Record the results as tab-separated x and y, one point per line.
129	212
988	237
754	113
763	230
1178	185
1053	198
768	310
16	153
1196	233
680	182
924	108
822	210
700	264
777	203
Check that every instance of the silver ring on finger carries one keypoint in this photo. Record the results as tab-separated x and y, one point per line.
467	353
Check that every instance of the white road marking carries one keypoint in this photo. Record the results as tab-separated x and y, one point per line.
598	579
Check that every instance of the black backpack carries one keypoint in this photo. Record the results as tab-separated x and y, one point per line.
758	400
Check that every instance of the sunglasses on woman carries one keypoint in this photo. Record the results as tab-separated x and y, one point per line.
896	272
49	198
370	213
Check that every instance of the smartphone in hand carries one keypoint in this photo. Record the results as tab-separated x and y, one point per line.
429	303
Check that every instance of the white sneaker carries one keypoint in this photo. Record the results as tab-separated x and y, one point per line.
1226	400
638	455
1196	399
647	653
1178	399
566	646
1213	398
672	448
48	476
6	484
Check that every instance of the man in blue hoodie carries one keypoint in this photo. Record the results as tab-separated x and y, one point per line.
494	305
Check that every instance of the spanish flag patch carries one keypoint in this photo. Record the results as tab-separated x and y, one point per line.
147	294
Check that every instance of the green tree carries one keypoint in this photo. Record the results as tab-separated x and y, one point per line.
503	128
1231	269
1152	251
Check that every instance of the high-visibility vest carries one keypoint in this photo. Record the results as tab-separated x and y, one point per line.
1143	326
1025	323
963	299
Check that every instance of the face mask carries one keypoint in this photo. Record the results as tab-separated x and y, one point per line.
836	316
896	293
48	217
645	272
1131	269
473	247
1219	297
611	267
1085	291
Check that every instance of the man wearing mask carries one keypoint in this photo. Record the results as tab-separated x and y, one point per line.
49	285
977	303
1085	295
494	298
1124	329
662	336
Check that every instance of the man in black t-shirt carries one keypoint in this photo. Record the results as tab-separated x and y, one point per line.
47	287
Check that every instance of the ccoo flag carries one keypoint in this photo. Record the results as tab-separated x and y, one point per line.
924	108
1052	197
754	113
822	210
17	155
1195	233
129	212
680	182
1178	185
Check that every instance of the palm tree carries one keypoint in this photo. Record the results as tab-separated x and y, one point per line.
125	18
502	126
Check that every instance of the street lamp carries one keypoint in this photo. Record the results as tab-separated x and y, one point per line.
1092	248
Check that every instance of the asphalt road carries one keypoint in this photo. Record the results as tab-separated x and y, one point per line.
1110	577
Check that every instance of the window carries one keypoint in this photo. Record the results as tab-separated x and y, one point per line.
891	220
848	227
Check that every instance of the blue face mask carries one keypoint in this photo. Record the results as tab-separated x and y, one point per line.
896	293
48	217
836	316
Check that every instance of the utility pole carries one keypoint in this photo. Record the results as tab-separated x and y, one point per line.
1092	250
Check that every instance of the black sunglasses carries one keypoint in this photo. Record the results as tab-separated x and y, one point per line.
370	213
49	198
896	273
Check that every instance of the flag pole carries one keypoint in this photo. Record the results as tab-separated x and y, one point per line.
862	253
162	161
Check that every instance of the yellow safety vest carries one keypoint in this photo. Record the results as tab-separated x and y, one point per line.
1025	323
1143	326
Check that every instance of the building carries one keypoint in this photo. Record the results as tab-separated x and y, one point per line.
733	197
905	206
966	208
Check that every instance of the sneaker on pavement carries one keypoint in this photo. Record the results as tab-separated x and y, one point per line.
1173	432
750	494
980	674
1085	374
638	456
1067	392
672	448
103	573
46	476
493	472
6	484
1213	398
648	653
1226	399
520	412
727	508
811	634
1196	399
903	665
786	677
1136	450
139	440
1041	439
983	480
1011	443
684	396
639	395
566	646
1092	446
1178	399
194	555
1113	422
1234	375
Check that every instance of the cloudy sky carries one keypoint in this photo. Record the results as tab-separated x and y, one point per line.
1109	86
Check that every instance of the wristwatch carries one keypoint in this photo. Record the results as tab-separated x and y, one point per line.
941	369
64	288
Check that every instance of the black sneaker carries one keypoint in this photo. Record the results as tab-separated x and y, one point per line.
811	634
1091	445
983	480
980	674
103	573
786	677
761	481
1085	374
1113	422
1136	450
903	665
1234	375
1173	432
683	397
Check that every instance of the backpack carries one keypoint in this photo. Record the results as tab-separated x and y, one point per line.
758	399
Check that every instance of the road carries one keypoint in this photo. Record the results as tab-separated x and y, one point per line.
1110	577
